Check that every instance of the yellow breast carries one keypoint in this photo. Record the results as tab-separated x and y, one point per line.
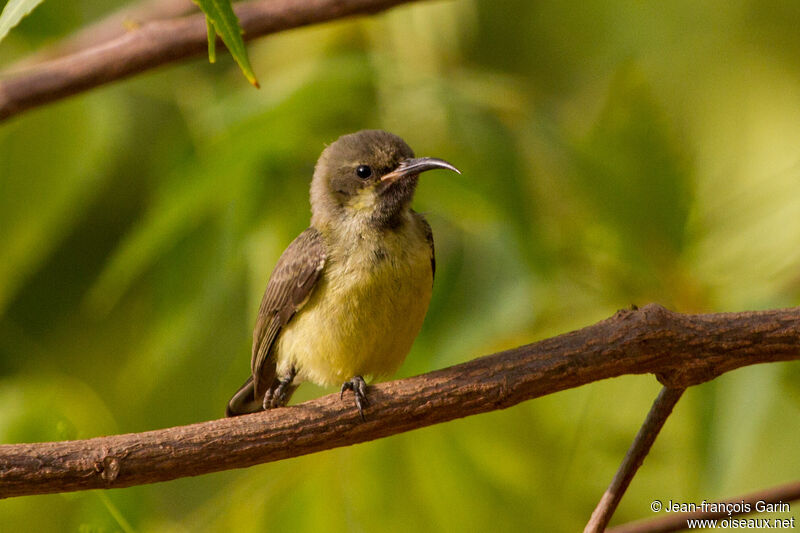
365	311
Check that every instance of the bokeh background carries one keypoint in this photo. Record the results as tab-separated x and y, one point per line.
613	153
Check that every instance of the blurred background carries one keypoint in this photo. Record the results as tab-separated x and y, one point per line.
613	153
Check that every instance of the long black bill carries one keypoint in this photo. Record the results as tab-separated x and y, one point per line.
409	167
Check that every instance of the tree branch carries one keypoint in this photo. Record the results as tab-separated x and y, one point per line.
110	27
681	350
644	440
159	42
677	521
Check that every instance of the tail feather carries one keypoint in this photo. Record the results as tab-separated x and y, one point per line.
244	401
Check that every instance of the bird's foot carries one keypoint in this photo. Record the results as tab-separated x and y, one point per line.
277	396
359	388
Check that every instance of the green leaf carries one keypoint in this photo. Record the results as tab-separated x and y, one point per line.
15	11
220	14
212	41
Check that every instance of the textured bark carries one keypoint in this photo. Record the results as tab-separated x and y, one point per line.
682	350
111	27
159	42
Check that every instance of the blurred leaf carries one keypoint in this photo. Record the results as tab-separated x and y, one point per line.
219	13
50	407
634	172
13	12
114	512
744	400
46	185
180	208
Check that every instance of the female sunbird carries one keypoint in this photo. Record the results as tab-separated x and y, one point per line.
348	296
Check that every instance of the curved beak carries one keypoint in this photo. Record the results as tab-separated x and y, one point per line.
417	165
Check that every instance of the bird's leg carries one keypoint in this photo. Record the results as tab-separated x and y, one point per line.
359	388
276	396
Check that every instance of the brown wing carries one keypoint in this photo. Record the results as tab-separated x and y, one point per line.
288	289
429	237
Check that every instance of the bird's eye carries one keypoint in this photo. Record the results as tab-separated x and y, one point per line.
363	172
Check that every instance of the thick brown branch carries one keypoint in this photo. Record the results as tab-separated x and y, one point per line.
682	349
160	42
644	440
677	522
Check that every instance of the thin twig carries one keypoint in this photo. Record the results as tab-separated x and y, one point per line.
644	440
680	349
789	492
160	42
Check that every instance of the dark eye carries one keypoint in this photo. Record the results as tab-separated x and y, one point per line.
363	172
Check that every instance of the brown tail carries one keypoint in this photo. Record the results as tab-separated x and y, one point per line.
244	401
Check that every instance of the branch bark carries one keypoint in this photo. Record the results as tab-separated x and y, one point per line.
682	350
159	42
110	27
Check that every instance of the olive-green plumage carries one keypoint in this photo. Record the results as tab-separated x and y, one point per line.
348	296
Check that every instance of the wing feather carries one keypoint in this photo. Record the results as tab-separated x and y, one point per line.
289	287
429	238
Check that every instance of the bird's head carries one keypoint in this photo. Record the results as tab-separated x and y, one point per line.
368	176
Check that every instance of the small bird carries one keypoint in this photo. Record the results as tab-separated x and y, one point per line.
348	296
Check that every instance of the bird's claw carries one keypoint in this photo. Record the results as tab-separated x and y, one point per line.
276	397
359	388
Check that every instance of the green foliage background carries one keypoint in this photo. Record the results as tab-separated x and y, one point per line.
613	152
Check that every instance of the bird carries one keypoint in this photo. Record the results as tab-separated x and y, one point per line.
348	296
